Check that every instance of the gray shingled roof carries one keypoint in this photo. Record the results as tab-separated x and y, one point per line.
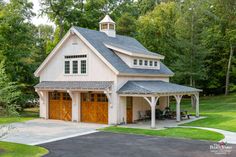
74	85
97	40
154	87
133	49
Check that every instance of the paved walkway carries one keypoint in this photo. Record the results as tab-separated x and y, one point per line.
40	131
161	124
230	137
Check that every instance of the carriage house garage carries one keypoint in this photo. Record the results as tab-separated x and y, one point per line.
101	77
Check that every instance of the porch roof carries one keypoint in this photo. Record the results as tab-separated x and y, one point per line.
155	87
74	85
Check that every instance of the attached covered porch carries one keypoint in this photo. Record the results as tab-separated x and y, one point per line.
153	91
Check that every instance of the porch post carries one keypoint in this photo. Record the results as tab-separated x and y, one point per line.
193	102
43	103
152	103
178	99
75	106
197	104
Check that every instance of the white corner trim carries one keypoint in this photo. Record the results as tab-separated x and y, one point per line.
132	53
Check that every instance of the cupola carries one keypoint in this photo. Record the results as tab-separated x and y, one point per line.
108	26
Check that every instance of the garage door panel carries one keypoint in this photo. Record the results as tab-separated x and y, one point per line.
60	106
66	111
92	109
102	114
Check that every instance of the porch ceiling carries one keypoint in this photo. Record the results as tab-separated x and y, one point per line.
74	85
144	87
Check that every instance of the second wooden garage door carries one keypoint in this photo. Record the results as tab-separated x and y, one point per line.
94	108
60	106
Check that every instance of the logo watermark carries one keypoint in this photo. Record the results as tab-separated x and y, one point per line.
221	148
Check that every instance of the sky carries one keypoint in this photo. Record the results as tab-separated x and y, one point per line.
37	20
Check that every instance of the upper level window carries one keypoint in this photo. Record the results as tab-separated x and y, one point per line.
145	62
75	67
151	63
67	67
76	56
140	62
83	67
155	63
76	64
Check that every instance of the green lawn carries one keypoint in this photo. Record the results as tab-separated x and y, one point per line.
27	114
219	110
190	133
20	150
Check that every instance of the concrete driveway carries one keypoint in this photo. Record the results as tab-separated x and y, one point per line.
40	131
102	144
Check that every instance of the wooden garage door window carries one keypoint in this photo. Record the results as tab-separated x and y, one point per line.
60	106
94	108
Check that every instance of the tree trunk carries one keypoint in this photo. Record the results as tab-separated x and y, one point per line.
192	48
61	28
228	71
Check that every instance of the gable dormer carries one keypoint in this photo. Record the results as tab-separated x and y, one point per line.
108	26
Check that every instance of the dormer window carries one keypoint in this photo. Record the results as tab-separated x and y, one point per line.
150	63
140	62
75	65
155	63
146	63
135	61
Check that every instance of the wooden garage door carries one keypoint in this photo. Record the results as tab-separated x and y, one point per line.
60	106
94	108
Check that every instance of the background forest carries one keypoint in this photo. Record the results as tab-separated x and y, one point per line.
197	37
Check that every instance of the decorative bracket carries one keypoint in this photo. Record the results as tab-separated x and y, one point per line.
70	93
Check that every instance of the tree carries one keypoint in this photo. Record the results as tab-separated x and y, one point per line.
227	13
219	38
126	25
156	30
146	6
190	61
58	11
9	93
45	39
17	45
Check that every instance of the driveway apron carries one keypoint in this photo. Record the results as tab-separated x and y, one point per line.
40	131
